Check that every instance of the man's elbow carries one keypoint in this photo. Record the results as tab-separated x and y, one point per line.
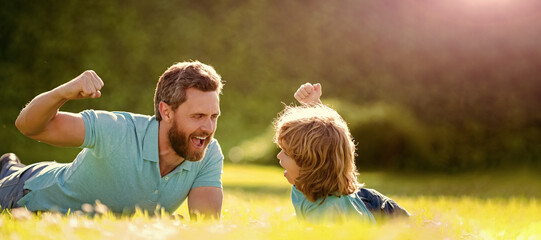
210	211
23	128
196	215
19	124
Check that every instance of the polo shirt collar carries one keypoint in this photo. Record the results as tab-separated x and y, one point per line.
150	141
185	165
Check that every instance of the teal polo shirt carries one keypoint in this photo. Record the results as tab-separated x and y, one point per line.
119	166
333	209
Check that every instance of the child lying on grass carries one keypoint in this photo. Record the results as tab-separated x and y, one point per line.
318	155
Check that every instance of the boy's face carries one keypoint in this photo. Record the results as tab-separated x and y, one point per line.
291	168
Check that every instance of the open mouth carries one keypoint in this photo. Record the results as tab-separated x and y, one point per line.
198	142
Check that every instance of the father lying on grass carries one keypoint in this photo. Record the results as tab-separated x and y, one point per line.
128	160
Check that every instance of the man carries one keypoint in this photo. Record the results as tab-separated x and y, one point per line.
128	160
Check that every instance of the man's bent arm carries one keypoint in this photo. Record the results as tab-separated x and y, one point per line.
41	120
205	202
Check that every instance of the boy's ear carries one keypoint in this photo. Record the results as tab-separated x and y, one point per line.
166	111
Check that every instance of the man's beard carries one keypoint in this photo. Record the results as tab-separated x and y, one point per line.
181	142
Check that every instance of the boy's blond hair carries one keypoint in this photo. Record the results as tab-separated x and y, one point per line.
319	141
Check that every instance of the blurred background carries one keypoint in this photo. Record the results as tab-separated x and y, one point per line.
446	85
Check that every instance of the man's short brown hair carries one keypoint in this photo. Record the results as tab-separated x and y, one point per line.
173	83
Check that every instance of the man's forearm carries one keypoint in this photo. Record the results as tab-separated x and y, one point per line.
205	202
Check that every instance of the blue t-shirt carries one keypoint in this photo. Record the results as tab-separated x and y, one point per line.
119	166
333	209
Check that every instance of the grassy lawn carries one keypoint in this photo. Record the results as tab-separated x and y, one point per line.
493	205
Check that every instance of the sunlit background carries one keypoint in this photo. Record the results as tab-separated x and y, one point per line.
447	85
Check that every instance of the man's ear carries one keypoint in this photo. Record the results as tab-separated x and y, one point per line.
166	111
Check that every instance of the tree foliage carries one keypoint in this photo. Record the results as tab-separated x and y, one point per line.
468	73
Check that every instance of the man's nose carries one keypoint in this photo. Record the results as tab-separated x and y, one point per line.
209	126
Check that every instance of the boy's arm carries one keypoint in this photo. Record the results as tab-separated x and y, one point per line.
41	120
309	94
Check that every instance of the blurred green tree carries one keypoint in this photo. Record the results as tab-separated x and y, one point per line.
467	74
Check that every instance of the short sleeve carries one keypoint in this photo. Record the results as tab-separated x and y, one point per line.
103	131
210	173
89	117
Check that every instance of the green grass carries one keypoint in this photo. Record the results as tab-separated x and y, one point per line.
493	205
